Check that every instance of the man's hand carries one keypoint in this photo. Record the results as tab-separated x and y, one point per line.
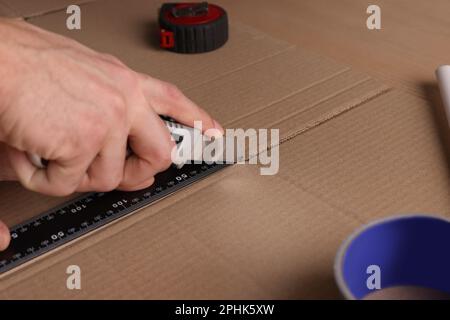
79	108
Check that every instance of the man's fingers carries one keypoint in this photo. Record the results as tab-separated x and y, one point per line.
151	144
132	179
5	237
142	185
168	100
60	178
106	171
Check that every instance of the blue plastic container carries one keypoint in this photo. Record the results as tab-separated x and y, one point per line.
409	251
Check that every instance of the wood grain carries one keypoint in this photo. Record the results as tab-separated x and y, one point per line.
413	41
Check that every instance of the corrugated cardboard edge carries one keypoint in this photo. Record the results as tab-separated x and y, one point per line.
339	110
382	90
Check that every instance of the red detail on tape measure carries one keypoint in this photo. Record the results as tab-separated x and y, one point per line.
167	39
213	13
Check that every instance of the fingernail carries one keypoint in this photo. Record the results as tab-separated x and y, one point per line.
216	132
218	127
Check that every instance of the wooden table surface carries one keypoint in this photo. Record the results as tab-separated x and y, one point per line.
413	41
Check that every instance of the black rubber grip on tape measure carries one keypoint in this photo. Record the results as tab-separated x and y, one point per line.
196	38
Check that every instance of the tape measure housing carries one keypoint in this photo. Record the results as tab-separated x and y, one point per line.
192	27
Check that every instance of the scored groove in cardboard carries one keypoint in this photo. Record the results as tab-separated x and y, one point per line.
240	93
306	98
330	109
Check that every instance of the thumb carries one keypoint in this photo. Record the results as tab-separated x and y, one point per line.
5	237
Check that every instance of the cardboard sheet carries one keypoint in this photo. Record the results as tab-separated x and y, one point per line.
198	245
129	31
383	158
353	149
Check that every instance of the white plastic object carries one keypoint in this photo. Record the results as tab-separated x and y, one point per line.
36	160
443	77
176	130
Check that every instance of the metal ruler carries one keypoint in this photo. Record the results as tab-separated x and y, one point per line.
88	212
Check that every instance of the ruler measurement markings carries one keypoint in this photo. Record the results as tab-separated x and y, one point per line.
88	212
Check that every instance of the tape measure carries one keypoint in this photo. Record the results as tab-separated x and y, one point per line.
88	212
192	27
